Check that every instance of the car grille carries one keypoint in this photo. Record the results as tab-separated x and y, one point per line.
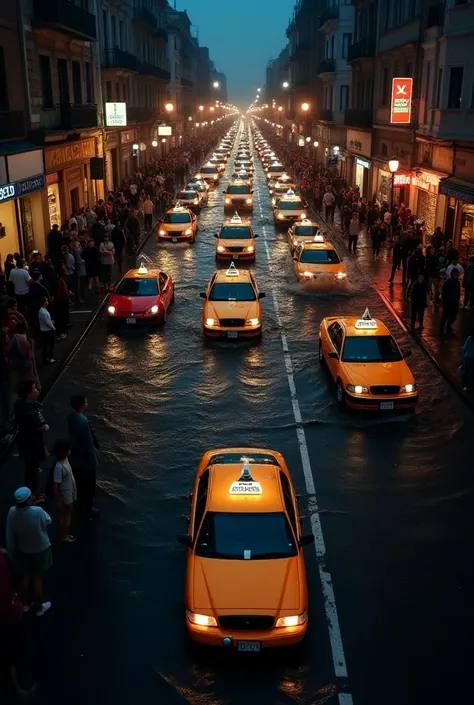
232	322
244	623
236	201
385	389
235	249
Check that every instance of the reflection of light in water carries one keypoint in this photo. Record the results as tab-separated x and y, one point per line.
115	352
156	347
254	356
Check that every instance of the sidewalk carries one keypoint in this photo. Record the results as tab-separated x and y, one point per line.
445	352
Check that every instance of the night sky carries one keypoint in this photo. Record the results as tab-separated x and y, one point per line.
242	36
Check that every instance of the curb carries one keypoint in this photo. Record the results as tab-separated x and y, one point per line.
425	348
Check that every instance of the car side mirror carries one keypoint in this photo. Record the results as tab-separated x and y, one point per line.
216	234
185	539
334	355
261	295
295	259
306	540
223	192
255	235
406	353
203	295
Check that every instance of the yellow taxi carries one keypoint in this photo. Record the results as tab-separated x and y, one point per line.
209	172
280	185
275	169
236	240
191	198
238	195
304	231
242	175
366	364
245	570
232	307
289	208
316	261
178	224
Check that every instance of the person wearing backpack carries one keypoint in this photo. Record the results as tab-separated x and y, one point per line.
64	488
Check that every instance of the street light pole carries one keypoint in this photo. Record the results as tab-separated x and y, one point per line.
393	166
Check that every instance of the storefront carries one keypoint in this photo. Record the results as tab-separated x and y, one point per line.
127	139
21	206
425	206
358	151
462	193
331	139
68	176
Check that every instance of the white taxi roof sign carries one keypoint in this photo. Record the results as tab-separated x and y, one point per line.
305	222
319	237
232	271
236	219
142	269
178	206
246	484
290	192
366	322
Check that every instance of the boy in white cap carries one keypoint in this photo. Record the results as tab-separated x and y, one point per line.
29	547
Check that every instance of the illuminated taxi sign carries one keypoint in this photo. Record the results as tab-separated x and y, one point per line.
178	206
245	485
232	271
318	238
142	269
236	218
306	223
290	193
366	322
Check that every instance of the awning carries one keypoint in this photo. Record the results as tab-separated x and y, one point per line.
458	189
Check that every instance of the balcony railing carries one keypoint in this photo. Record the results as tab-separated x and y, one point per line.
70	117
326	66
330	13
365	48
12	125
187	83
148	69
144	16
325	115
120	59
161	33
358	117
66	17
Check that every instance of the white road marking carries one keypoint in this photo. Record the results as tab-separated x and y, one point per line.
335	636
72	310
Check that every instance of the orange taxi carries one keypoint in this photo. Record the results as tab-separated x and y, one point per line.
178	224
245	570
366	364
302	231
232	307
209	172
236	240
143	295
238	194
317	261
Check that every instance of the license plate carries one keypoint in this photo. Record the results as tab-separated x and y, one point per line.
232	334
235	256
175	239
386	405
253	646
131	320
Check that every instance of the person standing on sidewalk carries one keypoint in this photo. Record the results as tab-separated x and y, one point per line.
376	234
47	332
31	429
468	284
419	302
451	295
354	230
83	455
61	303
329	201
30	548
148	210
107	252
64	488
432	273
119	241
133	229
20	279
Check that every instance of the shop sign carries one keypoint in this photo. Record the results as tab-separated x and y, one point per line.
164	130
60	157
443	159
402	180
426	181
358	142
301	141
116	114
456	192
52	178
464	165
362	162
400	112
21	188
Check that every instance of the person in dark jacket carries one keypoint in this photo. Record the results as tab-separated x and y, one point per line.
98	232
377	235
119	241
83	457
37	292
451	295
398	253
54	242
31	428
133	228
468	284
419	301
432	274
416	266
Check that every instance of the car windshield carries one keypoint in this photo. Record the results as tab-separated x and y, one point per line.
209	170
276	169
195	187
232	291
182	196
319	257
370	348
290	205
249	536
306	230
237	233
238	189
177	218
138	287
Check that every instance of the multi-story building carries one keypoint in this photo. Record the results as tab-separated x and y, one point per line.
205	67
22	179
219	84
183	55
336	23
60	48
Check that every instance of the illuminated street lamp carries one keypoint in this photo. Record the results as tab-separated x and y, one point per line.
305	107
280	108
212	108
393	166
308	139
154	143
285	84
216	84
316	144
201	108
169	107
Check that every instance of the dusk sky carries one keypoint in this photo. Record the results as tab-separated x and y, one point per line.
242	36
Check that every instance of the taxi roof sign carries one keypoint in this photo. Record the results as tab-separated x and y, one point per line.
366	322
232	271
306	222
142	269
178	206
290	192
319	237
236	219
246	484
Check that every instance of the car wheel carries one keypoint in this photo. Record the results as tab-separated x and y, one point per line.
322	361
340	393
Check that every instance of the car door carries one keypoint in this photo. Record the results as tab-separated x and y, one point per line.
334	344
198	504
166	289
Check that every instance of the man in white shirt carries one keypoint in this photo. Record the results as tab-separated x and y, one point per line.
454	265
329	201
21	280
47	332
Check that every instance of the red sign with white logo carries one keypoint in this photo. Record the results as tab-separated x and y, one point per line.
402	89
402	180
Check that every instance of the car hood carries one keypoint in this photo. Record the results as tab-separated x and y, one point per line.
390	373
246	585
232	309
175	227
320	268
132	304
235	243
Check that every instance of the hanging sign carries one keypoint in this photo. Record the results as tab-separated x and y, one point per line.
402	89
164	130
116	114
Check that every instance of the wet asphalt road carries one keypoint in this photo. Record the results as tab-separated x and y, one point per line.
395	495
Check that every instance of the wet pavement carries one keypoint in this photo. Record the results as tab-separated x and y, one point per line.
395	496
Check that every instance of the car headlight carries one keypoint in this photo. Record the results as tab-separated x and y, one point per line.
220	248
188	231
295	242
252	322
250	248
154	309
162	232
273	201
340	275
308	275
280	215
228	200
215	177
211	322
249	200
293	621
408	388
303	216
111	310
357	389
202	620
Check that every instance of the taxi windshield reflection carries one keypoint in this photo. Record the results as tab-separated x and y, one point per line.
235	234
319	257
138	287
232	292
376	348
